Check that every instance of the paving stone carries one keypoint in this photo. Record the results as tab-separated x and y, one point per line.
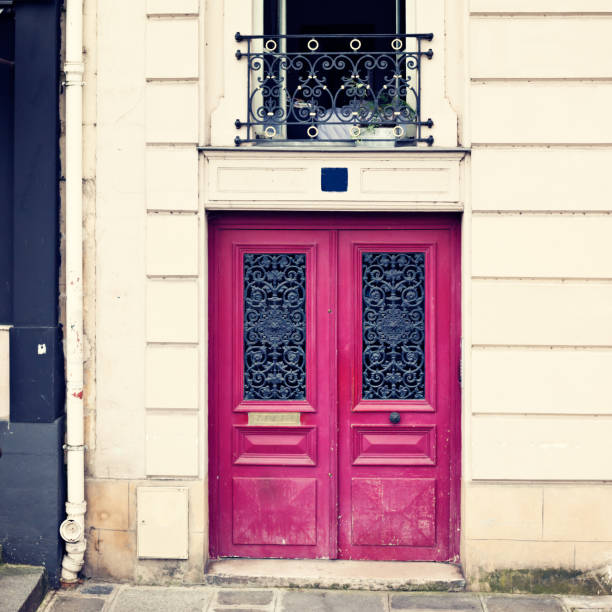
429	603
601	603
239	609
523	604
244	598
331	601
161	599
72	603
96	589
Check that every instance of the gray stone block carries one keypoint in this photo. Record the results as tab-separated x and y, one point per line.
244	598
72	603
331	601
429	603
161	599
522	604
225	609
600	603
96	589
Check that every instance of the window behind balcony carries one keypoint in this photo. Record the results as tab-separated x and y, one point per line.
342	71
333	17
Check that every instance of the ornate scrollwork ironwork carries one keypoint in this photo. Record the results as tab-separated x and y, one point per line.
334	91
274	326
393	295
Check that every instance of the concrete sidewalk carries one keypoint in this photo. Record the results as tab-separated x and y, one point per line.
106	597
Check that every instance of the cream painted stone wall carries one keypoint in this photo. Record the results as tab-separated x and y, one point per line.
144	294
538	396
537	277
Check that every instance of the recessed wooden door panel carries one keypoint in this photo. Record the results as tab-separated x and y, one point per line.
274	511
394	445
393	512
334	398
275	445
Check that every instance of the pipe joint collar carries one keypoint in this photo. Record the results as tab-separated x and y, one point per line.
72	566
76	548
76	509
74	67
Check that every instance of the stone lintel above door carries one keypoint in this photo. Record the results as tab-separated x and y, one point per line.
327	179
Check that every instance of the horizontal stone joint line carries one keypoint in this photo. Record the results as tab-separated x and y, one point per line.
540	414
537	79
178	80
164	212
541	541
163	143
170	145
173	16
173	276
549	415
172	478
541	14
171	411
517	212
540	144
545	347
173	344
545	279
539	482
542	482
544	146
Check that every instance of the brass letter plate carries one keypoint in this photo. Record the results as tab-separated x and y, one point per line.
274	418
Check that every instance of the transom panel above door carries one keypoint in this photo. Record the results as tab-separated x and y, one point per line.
333	425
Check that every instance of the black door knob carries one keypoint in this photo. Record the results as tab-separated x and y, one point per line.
394	417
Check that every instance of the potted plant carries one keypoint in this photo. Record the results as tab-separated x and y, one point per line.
383	122
382	127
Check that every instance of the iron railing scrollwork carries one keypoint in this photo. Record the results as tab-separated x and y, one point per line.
393	311
274	326
341	88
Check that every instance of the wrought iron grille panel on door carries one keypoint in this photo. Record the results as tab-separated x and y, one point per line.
393	320
274	326
330	87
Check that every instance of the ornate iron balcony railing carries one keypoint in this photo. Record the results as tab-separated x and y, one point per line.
342	88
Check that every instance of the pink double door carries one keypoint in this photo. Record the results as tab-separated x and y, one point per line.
334	391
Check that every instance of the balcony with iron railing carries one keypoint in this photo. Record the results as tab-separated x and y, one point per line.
349	90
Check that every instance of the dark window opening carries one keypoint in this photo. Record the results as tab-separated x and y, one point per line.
347	17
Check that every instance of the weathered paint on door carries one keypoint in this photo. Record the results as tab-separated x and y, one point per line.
334	425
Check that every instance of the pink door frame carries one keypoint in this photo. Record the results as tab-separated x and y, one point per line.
336	224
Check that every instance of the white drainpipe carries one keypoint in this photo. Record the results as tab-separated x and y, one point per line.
72	529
